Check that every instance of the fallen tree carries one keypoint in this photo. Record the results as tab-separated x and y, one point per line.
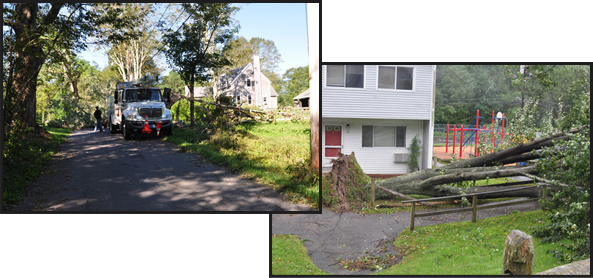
436	182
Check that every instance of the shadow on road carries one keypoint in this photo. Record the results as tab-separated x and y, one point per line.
102	172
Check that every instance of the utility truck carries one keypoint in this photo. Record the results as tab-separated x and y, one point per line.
136	107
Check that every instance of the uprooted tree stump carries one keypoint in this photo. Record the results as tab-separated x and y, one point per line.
517	258
344	186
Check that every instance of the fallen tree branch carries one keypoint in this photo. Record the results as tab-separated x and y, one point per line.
402	195
548	181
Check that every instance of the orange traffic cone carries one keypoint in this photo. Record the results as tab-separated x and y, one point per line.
158	128
146	129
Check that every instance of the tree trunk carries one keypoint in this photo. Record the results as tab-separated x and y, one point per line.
191	98
178	104
433	182
28	60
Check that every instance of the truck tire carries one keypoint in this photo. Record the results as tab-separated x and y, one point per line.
111	127
125	131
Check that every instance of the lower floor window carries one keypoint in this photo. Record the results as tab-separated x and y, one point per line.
383	136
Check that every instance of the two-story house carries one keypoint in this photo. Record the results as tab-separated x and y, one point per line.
375	111
249	85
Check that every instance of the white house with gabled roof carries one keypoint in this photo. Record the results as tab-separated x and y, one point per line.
375	111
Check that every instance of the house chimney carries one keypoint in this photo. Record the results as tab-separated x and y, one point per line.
256	62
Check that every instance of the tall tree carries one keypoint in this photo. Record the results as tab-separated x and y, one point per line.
269	56
189	49
131	56
240	52
38	30
296	81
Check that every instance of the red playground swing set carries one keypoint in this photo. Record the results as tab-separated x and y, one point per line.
472	140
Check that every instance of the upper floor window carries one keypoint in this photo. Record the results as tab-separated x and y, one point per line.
249	83
349	76
398	78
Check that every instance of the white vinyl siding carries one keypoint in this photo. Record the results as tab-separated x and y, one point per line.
371	102
353	108
375	160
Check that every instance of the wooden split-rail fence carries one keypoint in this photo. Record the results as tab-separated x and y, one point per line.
474	208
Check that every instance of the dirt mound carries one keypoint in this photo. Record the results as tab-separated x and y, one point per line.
344	186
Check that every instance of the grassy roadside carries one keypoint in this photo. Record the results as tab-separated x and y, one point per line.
461	248
289	257
24	159
272	154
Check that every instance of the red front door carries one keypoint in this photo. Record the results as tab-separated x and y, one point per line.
333	140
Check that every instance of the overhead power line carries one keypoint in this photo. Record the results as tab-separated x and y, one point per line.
161	48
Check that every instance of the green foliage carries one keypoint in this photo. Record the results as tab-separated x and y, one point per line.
568	162
189	52
68	114
174	81
463	89
25	155
296	82
414	154
58	106
569	209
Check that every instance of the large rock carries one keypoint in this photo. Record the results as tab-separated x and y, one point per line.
517	258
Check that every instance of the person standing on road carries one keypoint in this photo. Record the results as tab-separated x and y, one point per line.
98	117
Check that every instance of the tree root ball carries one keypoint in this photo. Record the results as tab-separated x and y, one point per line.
345	186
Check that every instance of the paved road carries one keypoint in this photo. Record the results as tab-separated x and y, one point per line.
99	171
330	237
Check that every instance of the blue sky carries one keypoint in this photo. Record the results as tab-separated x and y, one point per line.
283	23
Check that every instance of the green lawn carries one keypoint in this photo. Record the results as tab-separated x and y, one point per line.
272	154
465	248
461	248
289	257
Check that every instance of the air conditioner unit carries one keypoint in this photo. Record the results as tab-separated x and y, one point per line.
401	157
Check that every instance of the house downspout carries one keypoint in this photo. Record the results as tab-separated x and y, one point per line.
431	123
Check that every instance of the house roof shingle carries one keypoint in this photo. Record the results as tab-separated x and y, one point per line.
302	95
